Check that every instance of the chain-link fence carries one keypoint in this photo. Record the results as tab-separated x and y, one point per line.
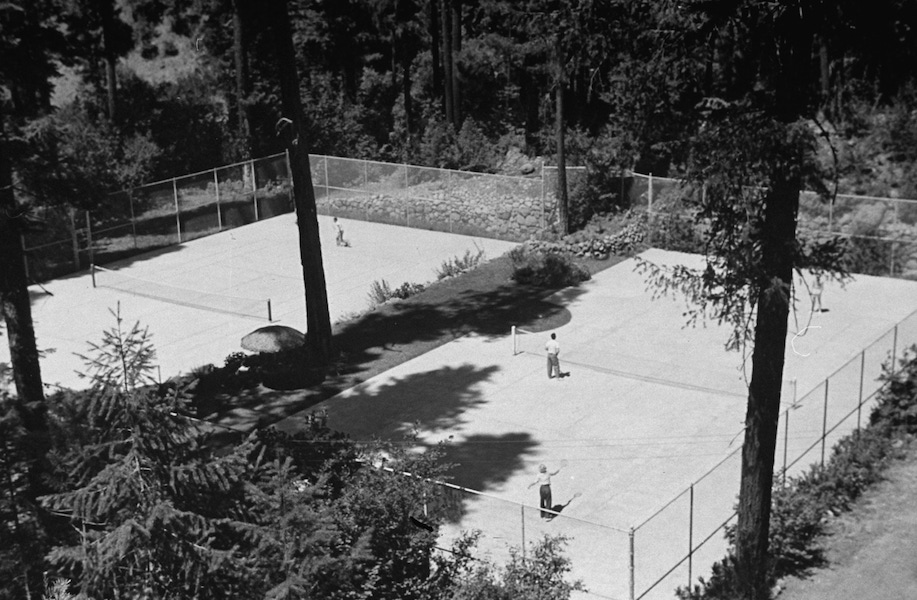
689	529
881	233
158	215
180	209
497	206
683	536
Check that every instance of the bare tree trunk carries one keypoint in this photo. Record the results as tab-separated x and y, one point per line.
434	25
446	15
456	49
107	10
562	200
318	320
242	79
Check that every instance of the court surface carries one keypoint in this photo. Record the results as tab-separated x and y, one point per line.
649	407
258	261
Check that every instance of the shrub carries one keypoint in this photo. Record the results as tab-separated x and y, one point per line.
458	265
545	269
381	292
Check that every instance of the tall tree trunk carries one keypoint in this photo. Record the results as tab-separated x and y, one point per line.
779	233
406	91
15	303
318	320
240	59
107	14
456	49
446	14
778	237
433	28
16	310
562	201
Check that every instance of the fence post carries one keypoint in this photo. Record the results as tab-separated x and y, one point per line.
786	440
75	239
860	401
649	196
216	188
824	424
831	215
522	521
895	348
630	536
691	537
891	259
544	217
130	201
449	196
254	190
327	191
92	254
177	211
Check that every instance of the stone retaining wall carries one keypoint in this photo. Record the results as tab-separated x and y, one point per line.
506	208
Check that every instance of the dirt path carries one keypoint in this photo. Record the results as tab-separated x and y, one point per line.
872	550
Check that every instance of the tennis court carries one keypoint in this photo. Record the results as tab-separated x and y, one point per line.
199	298
649	408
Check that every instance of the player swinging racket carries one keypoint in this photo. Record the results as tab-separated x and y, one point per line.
543	480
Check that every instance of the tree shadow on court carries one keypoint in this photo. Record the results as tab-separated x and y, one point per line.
433	401
483	461
484	301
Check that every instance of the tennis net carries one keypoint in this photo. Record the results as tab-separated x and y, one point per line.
254	308
532	343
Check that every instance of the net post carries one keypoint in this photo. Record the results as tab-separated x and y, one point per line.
92	273
630	574
513	333
270	317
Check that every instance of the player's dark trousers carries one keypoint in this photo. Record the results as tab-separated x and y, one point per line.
545	493
553	364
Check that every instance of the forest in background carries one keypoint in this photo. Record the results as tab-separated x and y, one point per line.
142	90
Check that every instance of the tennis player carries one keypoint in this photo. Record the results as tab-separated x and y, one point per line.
543	480
553	350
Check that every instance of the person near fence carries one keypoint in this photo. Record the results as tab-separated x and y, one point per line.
339	234
543	480
817	289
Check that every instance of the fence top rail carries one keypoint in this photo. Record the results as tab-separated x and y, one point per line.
210	170
457	171
850	196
